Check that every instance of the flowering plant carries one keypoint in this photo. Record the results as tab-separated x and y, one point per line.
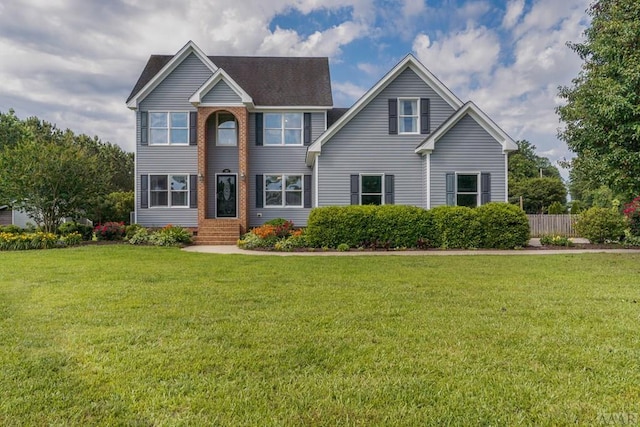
632	212
109	231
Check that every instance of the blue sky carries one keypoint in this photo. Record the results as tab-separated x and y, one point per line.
73	62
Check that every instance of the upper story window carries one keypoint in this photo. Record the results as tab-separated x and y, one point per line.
227	129
283	129
408	116
167	128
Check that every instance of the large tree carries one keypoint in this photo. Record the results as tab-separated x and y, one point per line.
535	179
51	174
602	110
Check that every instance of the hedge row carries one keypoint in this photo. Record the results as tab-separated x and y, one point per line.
494	225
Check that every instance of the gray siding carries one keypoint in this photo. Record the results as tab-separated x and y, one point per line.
172	94
271	160
467	147
174	91
364	146
221	93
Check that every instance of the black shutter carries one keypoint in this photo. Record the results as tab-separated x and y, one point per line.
355	189
307	191
307	128
425	126
389	190
451	188
259	130
144	128
193	191
485	186
144	191
393	116
193	128
259	192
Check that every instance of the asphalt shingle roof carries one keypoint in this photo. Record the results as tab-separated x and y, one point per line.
270	81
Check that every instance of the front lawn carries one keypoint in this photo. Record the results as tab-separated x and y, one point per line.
125	335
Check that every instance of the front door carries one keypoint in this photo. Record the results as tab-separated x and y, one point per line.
226	196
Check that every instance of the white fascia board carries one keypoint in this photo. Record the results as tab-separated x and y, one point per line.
220	75
409	61
177	59
481	118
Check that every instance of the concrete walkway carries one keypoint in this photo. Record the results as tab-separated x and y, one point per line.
232	249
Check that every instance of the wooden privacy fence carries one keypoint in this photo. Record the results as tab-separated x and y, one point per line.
553	224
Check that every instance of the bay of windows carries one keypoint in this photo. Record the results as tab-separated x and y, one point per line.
166	128
283	129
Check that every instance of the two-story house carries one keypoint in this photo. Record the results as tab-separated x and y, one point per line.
225	143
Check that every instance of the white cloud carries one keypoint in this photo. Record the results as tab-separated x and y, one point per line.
345	92
513	13
461	57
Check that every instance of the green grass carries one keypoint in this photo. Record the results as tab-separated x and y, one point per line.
141	335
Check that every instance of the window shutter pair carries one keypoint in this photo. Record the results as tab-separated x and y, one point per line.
260	129
306	196
425	125
389	189
144	191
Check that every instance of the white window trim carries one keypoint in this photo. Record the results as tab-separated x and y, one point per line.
283	191
282	129
417	116
478	191
168	143
169	205
360	193
218	130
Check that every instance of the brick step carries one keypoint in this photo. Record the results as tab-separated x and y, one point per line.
207	229
211	240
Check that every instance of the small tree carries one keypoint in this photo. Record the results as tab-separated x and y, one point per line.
50	180
539	193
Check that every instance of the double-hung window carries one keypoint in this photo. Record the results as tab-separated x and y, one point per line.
371	189
169	190
283	190
283	128
168	128
408	116
467	190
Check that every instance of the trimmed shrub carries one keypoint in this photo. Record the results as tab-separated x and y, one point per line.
387	226
504	226
13	229
600	225
109	231
556	208
457	227
85	231
131	230
140	236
